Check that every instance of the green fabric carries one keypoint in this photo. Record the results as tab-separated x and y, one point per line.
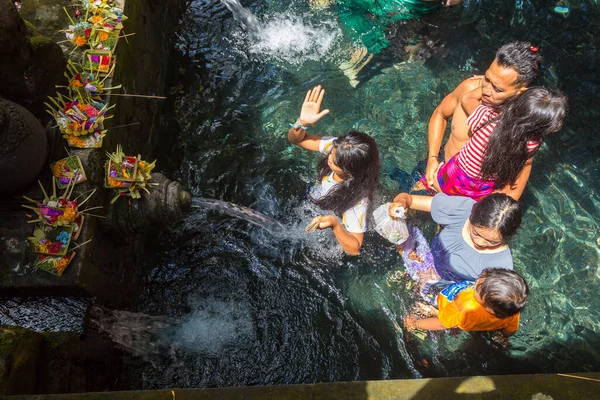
367	19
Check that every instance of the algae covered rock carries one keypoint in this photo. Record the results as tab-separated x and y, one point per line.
19	356
30	64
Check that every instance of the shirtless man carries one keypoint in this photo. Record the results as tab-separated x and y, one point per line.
512	71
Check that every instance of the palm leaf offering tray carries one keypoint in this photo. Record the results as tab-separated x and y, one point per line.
59	222
68	170
50	240
127	175
55	265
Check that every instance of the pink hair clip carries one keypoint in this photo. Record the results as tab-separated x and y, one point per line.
534	49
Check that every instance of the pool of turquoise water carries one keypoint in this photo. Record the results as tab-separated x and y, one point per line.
284	308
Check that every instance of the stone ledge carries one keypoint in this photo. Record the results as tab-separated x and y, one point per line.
513	387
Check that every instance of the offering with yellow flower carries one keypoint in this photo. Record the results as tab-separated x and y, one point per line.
55	265
128	175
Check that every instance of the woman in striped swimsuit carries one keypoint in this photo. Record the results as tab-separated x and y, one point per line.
499	155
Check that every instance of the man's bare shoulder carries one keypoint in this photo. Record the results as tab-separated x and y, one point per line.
466	86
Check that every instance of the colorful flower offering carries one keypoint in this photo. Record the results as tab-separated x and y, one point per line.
128	175
50	240
81	80
79	33
80	117
55	265
68	170
59	222
99	61
56	210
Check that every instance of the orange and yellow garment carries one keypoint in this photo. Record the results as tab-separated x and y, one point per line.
458	308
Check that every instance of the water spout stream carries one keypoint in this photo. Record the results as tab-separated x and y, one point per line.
244	213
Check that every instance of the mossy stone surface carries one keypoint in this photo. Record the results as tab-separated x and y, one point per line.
19	356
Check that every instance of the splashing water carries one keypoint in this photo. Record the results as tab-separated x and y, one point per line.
242	14
234	210
286	37
211	327
137	333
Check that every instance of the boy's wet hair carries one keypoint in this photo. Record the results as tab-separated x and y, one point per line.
502	290
523	58
497	211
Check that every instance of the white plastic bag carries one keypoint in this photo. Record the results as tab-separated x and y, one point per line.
393	229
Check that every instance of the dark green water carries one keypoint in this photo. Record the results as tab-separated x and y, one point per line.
264	308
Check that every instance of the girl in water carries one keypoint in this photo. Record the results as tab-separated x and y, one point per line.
499	155
475	236
348	175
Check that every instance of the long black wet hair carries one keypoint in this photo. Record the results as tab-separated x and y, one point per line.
529	117
499	212
357	155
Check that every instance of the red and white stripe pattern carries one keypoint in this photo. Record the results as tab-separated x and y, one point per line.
470	157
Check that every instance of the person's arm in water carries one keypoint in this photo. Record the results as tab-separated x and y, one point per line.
516	191
471	100
430	324
438	123
351	242
416	202
309	114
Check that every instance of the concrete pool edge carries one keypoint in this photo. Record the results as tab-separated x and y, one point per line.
537	386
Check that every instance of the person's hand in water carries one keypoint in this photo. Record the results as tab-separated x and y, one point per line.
403	200
410	323
322	222
309	114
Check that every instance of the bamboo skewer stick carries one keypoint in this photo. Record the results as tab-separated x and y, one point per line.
579	377
123	126
137	95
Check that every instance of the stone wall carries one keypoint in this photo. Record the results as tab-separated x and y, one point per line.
142	68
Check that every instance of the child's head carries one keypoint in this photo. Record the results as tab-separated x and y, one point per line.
527	118
537	111
356	156
501	291
494	220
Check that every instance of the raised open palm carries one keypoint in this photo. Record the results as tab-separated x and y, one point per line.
309	114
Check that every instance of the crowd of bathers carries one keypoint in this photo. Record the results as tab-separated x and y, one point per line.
473	186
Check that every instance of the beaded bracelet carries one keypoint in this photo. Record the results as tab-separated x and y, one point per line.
297	125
